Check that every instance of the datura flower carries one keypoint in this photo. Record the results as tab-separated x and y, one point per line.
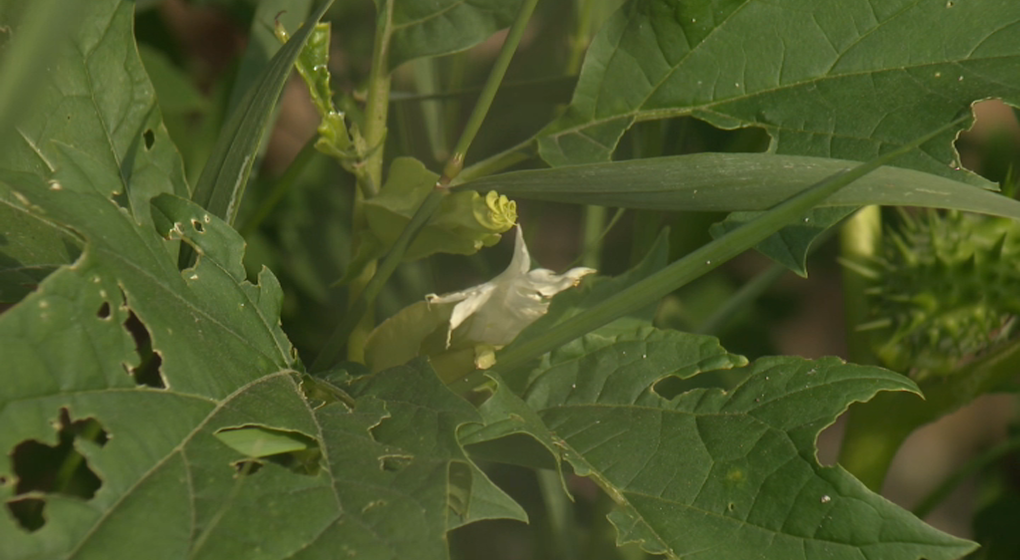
495	312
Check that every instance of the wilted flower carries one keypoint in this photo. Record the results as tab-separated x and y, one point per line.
495	312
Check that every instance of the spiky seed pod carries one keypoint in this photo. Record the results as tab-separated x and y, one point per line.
946	289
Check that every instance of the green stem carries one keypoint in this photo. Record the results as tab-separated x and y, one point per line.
871	441
456	162
596	244
562	523
860	240
972	467
580	36
515	87
377	101
376	109
751	291
747	293
282	186
594	222
498	162
348	327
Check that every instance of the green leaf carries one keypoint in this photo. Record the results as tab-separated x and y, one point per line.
465	222
262	42
95	160
399	339
422	435
260	441
225	175
737	182
846	80
437	27
30	249
713	473
176	93
789	246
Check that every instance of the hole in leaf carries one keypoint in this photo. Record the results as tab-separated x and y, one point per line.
28	512
150	138
289	449
672	386
54	469
198	226
686	135
989	148
147	372
104	311
121	199
395	463
248	467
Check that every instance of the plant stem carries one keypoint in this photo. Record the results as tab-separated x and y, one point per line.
498	162
376	109
596	244
579	38
747	293
594	220
558	506
282	186
456	162
377	101
348	327
860	239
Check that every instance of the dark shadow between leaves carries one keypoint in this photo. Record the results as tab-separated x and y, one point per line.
54	469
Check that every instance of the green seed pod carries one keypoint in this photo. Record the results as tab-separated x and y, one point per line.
945	291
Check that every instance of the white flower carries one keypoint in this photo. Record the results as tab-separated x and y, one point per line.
497	311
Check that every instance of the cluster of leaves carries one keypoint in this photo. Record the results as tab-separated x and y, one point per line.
154	406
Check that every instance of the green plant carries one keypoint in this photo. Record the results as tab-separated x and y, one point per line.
166	395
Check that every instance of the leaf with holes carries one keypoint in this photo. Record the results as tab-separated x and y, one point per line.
711	473
847	80
152	353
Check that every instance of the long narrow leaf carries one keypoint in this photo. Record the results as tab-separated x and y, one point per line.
698	262
221	185
734	182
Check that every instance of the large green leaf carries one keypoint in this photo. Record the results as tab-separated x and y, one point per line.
737	182
30	249
436	27
712	473
90	160
827	78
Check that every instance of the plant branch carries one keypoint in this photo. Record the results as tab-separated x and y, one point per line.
456	162
282	186
358	310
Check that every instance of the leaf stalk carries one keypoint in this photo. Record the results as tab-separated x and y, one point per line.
456	162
